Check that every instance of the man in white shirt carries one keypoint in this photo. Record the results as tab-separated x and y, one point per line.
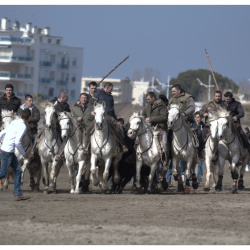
12	139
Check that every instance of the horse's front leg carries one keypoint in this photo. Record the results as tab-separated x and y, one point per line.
93	171
218	186
69	164
151	176
234	173
81	165
138	173
53	175
45	176
105	184
116	170
208	164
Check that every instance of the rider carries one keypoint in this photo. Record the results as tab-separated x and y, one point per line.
35	115
185	102
156	113
237	112
9	100
106	95
62	104
81	111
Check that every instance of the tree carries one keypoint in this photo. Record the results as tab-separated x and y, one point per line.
188	81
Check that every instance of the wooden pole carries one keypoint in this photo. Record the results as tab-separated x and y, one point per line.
212	70
113	69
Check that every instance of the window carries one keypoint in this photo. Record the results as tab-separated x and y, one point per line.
57	41
74	62
72	93
73	79
51	92
49	40
52	59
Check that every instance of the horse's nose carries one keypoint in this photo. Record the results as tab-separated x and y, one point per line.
99	124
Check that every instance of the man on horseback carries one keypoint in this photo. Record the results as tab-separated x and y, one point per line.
105	95
35	115
62	104
237	112
156	114
81	111
185	101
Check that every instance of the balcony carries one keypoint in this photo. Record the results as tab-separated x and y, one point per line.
63	66
13	76
45	63
44	80
61	82
15	58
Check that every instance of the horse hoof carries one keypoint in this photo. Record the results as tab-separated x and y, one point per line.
206	189
187	190
46	192
164	184
218	188
1	188
195	186
72	191
149	191
241	187
176	177
180	188
119	191
234	191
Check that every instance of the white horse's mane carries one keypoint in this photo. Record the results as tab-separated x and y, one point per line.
136	115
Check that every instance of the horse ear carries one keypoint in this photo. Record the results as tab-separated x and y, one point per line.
55	103
104	104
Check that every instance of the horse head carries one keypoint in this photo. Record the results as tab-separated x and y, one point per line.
7	117
213	124
50	113
173	115
64	122
135	122
99	110
223	122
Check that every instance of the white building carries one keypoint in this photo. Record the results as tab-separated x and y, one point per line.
34	61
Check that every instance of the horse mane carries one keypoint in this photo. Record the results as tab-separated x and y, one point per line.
6	112
223	113
136	115
46	104
177	106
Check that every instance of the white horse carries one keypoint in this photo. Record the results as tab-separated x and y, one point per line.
104	148
211	150
182	149
230	149
73	150
147	151
48	147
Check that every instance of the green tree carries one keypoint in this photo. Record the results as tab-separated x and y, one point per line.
188	81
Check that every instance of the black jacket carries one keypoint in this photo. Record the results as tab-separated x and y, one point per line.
12	104
60	107
235	109
109	100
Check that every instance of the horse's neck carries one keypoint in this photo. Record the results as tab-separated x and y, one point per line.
179	129
51	133
229	134
76	134
145	136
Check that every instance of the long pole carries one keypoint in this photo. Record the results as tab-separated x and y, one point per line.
114	69
212	70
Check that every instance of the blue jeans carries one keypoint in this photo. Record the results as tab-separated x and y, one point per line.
9	159
169	172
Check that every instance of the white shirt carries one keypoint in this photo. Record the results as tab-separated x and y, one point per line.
13	136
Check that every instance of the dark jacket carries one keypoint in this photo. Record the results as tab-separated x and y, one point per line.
109	100
79	111
34	119
157	114
248	136
92	99
12	104
60	107
235	109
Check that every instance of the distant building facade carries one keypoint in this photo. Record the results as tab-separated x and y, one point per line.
34	62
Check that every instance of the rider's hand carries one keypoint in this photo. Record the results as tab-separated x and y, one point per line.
27	155
183	114
147	119
235	118
92	113
79	118
205	114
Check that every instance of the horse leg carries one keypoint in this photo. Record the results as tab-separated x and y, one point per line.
187	177
194	177
242	172
71	175
151	177
116	172
46	176
208	165
6	181
218	186
138	173
178	177
79	176
93	176
105	184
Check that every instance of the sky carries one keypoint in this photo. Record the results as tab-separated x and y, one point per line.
169	39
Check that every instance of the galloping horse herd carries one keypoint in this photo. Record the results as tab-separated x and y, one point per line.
222	144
